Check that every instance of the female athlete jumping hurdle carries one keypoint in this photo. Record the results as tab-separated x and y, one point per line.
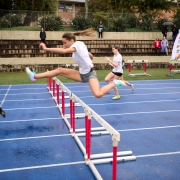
83	58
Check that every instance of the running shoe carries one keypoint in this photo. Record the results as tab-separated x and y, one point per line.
119	83
116	98
132	87
2	112
31	74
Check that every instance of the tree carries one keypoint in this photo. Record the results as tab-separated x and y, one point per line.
6	4
147	6
34	8
36	5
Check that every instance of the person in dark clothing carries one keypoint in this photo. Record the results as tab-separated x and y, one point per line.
100	30
164	31
43	35
2	112
175	32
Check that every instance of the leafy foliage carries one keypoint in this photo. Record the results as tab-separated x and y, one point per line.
146	23
132	21
81	23
120	24
159	23
36	5
51	23
10	20
177	18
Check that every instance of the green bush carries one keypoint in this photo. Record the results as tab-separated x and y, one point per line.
80	23
160	22
120	24
132	21
146	23
177	18
10	20
51	23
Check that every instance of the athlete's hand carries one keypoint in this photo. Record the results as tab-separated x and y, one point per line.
107	59
42	45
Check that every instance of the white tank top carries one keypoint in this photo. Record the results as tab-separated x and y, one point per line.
81	56
118	58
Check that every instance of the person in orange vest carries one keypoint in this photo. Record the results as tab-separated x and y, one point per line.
157	46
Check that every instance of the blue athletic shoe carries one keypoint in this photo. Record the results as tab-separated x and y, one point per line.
31	74
119	83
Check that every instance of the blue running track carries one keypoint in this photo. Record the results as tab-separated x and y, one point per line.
35	142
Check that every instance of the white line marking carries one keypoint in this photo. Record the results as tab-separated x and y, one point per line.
44	119
125	130
172	93
34	137
30	99
42	166
30	108
26	93
80	162
159	154
141	129
5	97
135	102
151	112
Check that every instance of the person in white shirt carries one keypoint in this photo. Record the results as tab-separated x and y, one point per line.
117	71
83	58
164	46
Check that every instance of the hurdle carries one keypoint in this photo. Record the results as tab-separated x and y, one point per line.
144	62
90	159
175	71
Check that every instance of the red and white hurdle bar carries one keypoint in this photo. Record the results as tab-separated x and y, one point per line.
175	71
144	62
53	86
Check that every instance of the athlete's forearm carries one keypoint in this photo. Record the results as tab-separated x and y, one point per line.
56	50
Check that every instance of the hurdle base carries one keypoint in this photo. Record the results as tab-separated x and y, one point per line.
140	74
173	72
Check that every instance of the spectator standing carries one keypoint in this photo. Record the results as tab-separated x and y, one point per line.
164	45
157	46
43	35
164	31
175	32
100	30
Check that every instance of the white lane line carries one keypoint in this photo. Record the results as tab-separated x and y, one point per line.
80	162
50	136
30	99
106	95
122	89
44	119
151	128
26	93
105	104
42	166
149	112
5	96
158	154
34	137
135	102
147	94
31	108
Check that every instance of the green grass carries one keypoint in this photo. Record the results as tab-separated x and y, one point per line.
11	78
